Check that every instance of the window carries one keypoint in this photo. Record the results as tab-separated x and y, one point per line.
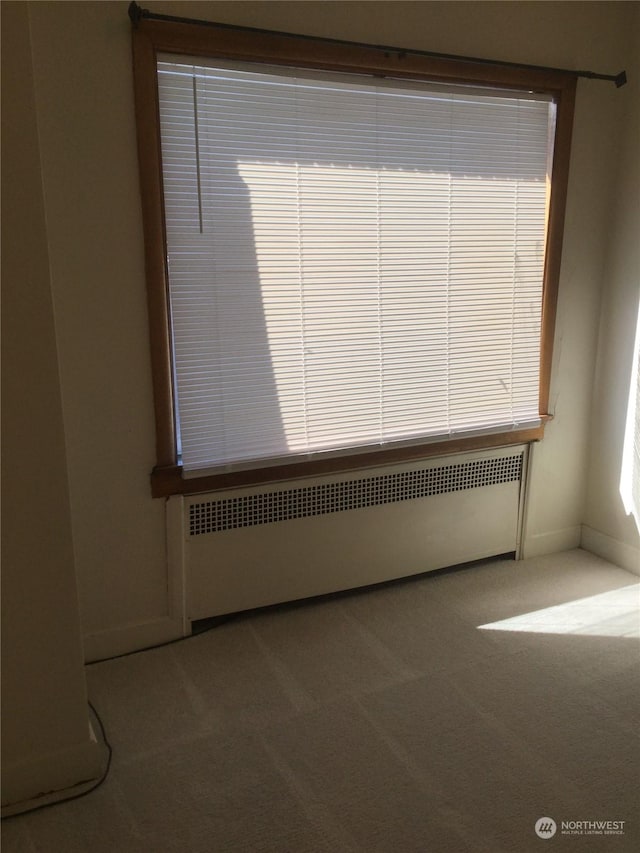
343	268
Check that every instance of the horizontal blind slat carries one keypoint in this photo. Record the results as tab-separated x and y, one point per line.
350	264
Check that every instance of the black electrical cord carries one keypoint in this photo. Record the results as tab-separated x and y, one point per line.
217	622
212	623
139	651
81	794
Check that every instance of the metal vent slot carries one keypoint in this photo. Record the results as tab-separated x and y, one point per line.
249	510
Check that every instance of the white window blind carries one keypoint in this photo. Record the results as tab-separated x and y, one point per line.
352	263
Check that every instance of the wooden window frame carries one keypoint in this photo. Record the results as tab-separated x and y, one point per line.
151	37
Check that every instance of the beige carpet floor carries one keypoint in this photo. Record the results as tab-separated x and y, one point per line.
445	713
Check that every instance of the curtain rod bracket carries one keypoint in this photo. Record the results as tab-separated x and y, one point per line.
136	13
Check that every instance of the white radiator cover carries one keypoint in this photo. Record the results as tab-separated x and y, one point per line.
264	545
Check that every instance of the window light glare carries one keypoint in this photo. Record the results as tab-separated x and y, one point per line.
630	471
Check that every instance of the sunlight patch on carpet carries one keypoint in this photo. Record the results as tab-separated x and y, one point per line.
610	614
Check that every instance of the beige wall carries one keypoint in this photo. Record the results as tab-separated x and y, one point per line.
81	56
45	727
608	529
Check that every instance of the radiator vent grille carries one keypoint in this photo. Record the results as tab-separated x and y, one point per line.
249	510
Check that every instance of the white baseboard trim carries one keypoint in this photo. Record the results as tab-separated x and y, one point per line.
176	560
141	635
131	638
52	777
539	544
616	552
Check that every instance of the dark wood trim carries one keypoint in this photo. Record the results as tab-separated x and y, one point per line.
136	14
286	49
151	37
152	199
565	102
170	481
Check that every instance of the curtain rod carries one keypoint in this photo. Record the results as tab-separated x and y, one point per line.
136	13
